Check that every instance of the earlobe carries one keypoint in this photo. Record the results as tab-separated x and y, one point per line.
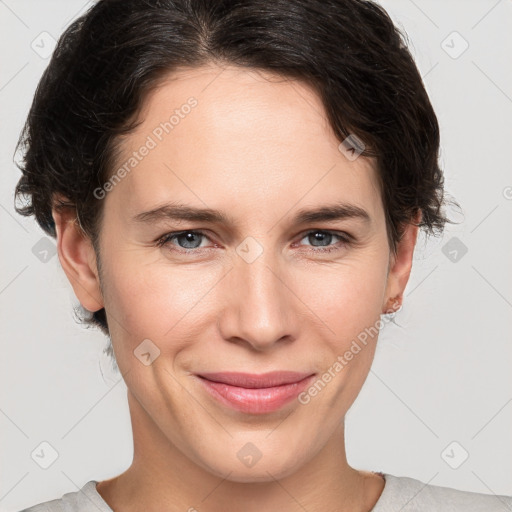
400	267
78	259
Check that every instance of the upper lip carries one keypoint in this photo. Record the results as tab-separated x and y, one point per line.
253	380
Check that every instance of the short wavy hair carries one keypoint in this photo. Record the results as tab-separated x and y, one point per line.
106	62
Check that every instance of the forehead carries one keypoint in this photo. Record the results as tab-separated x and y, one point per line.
218	134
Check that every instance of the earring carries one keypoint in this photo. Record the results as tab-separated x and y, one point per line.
396	306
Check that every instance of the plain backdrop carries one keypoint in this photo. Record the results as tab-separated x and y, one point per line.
437	405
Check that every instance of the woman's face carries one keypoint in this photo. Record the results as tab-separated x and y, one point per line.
255	292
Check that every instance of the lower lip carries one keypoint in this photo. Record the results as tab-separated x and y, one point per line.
257	400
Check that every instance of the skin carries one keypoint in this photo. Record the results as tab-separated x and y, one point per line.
258	149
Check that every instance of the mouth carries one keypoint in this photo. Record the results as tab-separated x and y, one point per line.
253	393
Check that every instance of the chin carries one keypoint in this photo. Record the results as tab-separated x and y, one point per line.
242	469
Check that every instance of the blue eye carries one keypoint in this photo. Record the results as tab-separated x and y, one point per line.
190	238
189	241
326	236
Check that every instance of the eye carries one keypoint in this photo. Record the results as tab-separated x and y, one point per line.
190	239
320	236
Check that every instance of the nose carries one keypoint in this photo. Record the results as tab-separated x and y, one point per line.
259	306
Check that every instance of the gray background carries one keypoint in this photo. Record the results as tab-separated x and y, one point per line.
442	375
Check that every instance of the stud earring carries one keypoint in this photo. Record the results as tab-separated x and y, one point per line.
396	306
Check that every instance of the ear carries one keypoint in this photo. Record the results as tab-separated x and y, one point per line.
400	265
78	259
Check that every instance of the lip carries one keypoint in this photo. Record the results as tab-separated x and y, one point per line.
253	393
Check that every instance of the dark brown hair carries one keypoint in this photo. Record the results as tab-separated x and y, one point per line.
105	63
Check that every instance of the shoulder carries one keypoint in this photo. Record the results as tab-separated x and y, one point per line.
411	495
84	500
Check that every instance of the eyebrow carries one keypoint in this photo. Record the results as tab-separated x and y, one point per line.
180	212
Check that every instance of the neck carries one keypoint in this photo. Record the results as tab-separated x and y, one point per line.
161	476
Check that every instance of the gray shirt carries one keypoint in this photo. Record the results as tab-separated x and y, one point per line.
400	494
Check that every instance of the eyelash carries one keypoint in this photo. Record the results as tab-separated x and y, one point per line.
345	239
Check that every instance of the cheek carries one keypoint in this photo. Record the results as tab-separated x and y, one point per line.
150	298
347	297
349	304
154	300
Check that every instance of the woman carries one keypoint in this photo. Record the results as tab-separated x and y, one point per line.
236	189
